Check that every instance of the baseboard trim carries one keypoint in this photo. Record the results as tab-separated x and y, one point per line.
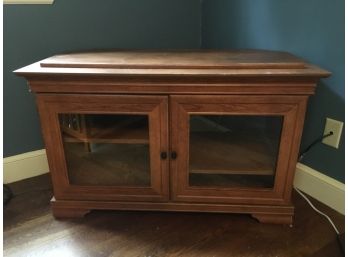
321	187
26	165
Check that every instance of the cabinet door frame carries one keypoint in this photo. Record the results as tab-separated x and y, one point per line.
292	108
156	107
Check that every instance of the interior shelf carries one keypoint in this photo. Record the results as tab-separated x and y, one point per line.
228	153
132	131
109	165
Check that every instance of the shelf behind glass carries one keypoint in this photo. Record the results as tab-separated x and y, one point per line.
107	149
233	151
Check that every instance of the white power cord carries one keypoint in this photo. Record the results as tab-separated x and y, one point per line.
314	208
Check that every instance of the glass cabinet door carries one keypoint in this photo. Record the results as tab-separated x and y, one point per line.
107	147
231	149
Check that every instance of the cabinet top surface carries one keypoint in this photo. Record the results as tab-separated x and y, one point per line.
176	62
176	59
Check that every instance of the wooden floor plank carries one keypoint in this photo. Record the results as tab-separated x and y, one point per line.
31	230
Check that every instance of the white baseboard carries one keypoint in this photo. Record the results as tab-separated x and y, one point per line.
321	187
26	165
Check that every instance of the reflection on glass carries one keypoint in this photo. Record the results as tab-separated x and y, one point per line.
106	150
233	151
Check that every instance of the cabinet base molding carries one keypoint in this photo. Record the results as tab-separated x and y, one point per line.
60	212
273	218
263	213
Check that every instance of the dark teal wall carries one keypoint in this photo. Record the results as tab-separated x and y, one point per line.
312	29
34	32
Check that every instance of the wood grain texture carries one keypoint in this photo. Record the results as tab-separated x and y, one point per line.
273	218
309	71
159	234
66	205
51	105
184	59
63	213
150	86
171	62
246	82
188	72
183	106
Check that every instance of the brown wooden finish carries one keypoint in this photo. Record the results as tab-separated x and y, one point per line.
309	73
247	82
192	62
173	86
183	106
159	234
295	146
156	107
61	213
189	59
185	72
274	218
263	213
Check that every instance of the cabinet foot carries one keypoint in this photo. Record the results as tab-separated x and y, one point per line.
274	218
88	147
63	212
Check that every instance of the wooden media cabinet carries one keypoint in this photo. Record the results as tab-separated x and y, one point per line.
197	131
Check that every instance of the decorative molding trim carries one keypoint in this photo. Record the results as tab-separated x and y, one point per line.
26	165
28	1
321	187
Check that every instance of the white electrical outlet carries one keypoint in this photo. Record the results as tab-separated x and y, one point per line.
336	127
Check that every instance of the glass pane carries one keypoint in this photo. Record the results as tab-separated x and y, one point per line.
233	151
106	150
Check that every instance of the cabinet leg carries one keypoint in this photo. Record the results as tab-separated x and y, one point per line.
88	147
274	218
63	212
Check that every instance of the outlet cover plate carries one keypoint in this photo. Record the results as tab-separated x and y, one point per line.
336	127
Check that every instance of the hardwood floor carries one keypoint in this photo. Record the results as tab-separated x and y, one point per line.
31	230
